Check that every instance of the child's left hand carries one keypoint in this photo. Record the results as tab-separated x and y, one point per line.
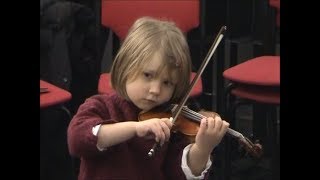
211	131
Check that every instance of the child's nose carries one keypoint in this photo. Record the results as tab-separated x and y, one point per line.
155	87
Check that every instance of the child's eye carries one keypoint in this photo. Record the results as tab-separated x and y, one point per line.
168	83
147	75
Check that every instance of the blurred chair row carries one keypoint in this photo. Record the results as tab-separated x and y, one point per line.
256	82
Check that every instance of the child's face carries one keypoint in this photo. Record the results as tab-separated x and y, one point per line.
151	89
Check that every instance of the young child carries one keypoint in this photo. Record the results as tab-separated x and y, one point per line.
152	68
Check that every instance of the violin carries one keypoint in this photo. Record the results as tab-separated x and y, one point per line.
188	123
190	128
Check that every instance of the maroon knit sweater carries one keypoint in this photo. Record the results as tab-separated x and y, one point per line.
127	160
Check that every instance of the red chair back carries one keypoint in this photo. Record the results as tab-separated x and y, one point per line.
119	15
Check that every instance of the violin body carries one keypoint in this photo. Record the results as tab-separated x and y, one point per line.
188	127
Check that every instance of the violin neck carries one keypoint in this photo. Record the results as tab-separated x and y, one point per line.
195	116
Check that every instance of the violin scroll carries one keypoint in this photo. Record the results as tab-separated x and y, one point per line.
254	149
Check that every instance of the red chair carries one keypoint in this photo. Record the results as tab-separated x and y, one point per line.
53	127
120	15
256	82
51	95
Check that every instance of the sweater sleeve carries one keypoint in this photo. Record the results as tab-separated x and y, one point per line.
81	140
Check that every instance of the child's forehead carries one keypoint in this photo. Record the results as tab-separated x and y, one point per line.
153	62
157	67
159	63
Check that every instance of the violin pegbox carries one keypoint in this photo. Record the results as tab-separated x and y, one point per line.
253	149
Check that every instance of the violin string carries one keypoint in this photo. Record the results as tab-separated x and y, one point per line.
197	116
192	115
249	141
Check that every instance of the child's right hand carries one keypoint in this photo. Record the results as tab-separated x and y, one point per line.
157	128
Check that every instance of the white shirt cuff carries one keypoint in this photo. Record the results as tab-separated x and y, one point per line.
186	169
95	131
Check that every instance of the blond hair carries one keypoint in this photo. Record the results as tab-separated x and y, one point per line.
146	37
